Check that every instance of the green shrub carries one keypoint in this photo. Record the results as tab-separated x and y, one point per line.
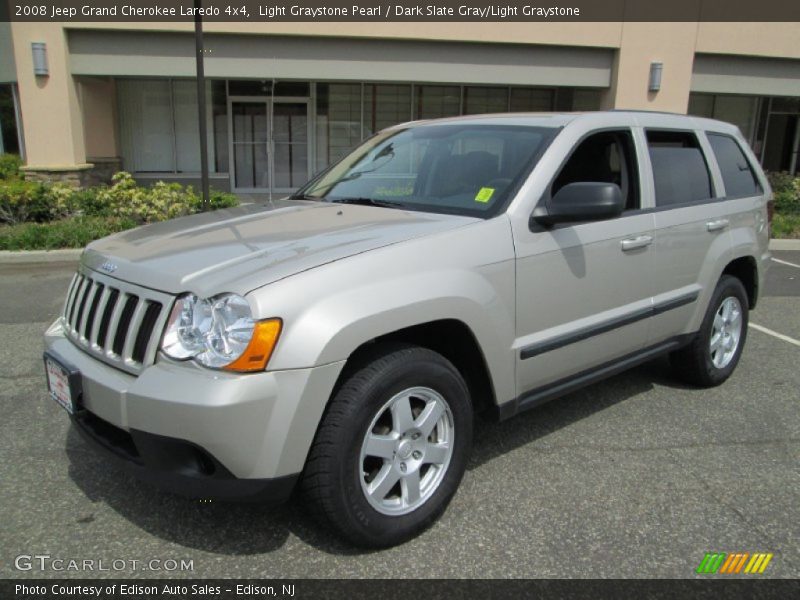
780	181
87	202
218	199
786	226
22	201
786	190
74	232
9	166
160	202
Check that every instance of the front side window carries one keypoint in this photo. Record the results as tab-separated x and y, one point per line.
456	168
737	174
604	157
680	172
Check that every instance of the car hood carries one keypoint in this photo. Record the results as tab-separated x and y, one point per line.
240	249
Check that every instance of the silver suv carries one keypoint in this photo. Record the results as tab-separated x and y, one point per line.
341	341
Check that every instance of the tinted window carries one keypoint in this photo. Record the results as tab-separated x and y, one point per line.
738	176
680	172
606	157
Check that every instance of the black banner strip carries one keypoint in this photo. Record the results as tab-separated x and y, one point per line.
255	11
712	587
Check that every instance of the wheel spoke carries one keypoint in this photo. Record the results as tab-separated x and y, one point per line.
430	417
409	486
402	419
727	307
718	320
436	454
716	342
381	446
384	481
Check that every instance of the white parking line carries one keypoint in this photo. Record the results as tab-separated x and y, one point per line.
788	264
780	336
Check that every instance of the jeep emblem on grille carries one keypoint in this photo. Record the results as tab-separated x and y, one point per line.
108	267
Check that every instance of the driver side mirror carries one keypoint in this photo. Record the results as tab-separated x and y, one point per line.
580	201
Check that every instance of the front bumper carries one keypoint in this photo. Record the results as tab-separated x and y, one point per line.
177	466
197	431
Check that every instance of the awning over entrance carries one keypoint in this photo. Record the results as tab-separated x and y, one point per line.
745	75
157	54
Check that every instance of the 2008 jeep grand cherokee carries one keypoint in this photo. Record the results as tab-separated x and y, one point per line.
340	341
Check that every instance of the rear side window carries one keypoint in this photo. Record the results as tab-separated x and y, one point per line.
737	174
680	172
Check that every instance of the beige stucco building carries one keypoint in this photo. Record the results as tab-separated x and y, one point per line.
286	99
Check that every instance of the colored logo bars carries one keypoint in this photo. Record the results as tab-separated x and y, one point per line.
734	563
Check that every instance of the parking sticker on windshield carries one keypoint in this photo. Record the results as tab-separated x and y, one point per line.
484	194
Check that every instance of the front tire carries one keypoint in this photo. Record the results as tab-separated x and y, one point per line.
713	355
391	448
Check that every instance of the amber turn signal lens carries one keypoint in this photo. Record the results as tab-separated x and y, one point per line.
256	355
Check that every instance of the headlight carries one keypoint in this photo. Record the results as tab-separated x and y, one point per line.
219	333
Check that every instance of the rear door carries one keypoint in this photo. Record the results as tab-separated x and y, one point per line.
692	229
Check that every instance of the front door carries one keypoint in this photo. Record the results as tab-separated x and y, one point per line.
269	144
584	289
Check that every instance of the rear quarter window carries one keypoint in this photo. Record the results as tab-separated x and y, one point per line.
737	173
680	172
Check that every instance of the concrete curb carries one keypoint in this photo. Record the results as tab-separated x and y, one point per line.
784	244
73	254
39	256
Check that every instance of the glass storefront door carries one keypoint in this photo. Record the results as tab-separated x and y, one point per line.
783	137
269	144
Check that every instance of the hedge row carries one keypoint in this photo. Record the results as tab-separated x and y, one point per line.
25	201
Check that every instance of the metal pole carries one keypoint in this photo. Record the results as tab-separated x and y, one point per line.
201	102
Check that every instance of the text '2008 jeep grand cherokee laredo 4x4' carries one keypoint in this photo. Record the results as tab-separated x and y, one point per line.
342	340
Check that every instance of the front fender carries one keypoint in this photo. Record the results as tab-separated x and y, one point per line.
463	275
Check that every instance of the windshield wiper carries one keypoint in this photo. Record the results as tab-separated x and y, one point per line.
368	202
304	197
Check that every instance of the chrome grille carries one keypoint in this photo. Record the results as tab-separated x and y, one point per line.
117	322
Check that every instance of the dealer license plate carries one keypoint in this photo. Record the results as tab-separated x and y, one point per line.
60	383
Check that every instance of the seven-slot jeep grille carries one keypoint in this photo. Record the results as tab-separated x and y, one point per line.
117	322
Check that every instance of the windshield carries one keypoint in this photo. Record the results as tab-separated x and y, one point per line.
466	169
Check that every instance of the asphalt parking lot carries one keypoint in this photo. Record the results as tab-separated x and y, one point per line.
635	477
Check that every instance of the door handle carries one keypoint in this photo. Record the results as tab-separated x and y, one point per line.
717	225
638	242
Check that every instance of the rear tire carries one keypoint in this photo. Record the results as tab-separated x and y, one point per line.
713	355
392	447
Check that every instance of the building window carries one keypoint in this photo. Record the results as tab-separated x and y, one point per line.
146	122
186	130
738	110
531	100
265	87
385	105
158	125
219	117
9	139
586	100
478	100
338	121
436	101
